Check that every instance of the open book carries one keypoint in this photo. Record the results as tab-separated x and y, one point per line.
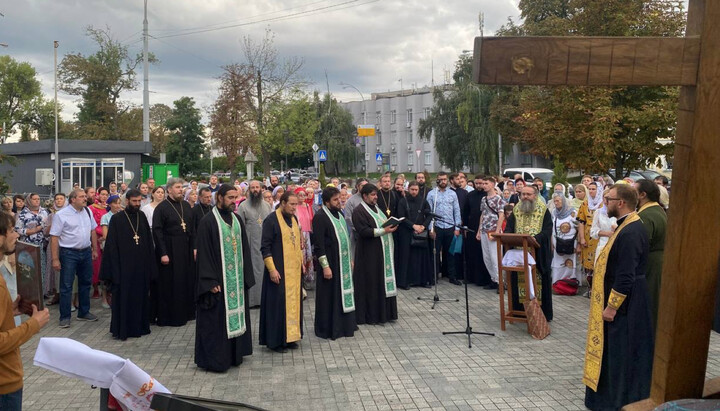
393	221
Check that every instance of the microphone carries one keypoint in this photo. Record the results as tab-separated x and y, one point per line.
431	214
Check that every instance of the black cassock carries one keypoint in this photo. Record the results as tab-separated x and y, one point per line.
628	346
128	267
413	264
273	328
543	258
176	282
388	200
213	350
198	212
371	305
330	320
477	272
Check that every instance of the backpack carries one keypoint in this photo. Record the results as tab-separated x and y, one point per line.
568	286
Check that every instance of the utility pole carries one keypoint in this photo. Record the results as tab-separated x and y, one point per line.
57	154
146	91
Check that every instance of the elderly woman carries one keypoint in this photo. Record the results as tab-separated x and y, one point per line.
276	194
268	198
7	205
564	241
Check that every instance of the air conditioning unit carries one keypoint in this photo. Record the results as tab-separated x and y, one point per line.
377	127
408	124
410	147
393	148
44	177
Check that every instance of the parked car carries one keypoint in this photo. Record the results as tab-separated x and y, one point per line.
529	174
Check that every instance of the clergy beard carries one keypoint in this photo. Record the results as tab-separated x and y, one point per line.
255	198
132	209
527	206
334	209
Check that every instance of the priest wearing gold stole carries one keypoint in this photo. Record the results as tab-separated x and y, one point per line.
281	299
225	274
619	347
532	217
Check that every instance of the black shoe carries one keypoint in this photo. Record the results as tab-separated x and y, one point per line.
492	286
280	350
293	346
455	281
404	288
427	286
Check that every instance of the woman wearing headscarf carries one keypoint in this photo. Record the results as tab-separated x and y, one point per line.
276	194
564	239
588	245
304	214
603	226
580	196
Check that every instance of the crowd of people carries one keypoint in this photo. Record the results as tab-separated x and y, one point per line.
211	252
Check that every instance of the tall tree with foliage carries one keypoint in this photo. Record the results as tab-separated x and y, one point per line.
159	133
19	92
186	141
335	133
291	130
593	128
99	80
232	116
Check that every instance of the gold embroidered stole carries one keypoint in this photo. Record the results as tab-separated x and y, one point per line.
529	224
595	333
292	269
648	205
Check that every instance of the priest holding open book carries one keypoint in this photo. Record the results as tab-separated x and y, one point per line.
374	275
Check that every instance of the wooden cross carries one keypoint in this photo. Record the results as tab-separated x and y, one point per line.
692	246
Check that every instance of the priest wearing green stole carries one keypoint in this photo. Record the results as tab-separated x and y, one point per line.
335	294
654	219
374	271
281	299
225	271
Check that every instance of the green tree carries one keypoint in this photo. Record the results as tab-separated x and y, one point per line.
451	140
335	133
592	128
19	87
291	130
159	133
186	141
100	80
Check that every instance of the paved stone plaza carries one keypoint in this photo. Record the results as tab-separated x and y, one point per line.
405	365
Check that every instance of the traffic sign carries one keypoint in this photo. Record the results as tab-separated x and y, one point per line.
322	155
315	147
365	130
378	157
417	153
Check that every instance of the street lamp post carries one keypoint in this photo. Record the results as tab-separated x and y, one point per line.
367	156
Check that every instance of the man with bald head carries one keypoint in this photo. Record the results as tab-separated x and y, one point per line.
252	212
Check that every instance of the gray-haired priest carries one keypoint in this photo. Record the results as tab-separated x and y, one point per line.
225	273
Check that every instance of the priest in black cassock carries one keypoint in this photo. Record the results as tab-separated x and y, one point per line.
531	216
619	348
281	300
203	207
128	264
477	272
374	271
334	291
174	229
222	329
387	198
413	263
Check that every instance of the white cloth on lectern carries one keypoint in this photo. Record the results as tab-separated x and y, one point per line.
129	384
514	258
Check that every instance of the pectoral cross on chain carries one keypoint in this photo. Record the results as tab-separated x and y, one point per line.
137	239
182	224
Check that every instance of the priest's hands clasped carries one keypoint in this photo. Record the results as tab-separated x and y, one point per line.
215	289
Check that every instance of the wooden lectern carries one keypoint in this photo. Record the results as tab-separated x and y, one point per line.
528	245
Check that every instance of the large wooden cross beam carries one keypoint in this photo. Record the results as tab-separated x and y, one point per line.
692	248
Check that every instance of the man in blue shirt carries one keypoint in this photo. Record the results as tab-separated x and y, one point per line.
444	202
73	251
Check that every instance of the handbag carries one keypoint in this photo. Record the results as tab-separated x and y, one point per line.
456	246
419	240
567	286
564	246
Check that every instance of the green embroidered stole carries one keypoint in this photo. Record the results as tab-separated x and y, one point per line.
388	246
346	280
231	255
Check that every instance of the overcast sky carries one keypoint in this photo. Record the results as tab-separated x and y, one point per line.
368	43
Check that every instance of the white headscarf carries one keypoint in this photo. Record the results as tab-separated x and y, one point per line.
596	202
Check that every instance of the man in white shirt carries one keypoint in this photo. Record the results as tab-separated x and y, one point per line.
73	251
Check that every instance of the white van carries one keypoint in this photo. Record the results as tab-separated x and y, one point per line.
529	174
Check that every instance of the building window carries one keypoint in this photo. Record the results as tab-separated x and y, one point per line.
426	138
409	115
426	112
393	159
410	136
393	116
378	118
393	136
428	158
378	134
410	160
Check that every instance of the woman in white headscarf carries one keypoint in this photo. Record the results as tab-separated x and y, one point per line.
603	226
587	244
564	230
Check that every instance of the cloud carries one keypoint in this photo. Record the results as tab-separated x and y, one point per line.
368	43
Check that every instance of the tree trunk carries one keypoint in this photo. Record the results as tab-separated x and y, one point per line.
261	129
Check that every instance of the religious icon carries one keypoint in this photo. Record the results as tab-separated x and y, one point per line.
29	277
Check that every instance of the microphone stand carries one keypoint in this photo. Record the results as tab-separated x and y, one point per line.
436	298
468	329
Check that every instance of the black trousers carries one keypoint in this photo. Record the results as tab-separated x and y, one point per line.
446	261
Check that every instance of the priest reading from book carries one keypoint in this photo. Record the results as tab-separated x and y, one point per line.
374	274
281	299
335	294
225	271
128	264
173	227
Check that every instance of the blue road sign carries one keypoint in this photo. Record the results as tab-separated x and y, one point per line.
322	155
378	157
